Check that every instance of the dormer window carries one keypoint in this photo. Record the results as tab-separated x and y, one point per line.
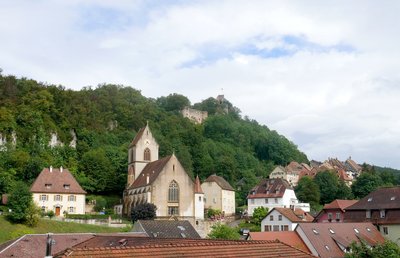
48	186
67	186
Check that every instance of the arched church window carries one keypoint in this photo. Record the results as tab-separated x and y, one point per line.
173	192
147	155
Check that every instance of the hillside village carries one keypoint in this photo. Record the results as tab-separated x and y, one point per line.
282	206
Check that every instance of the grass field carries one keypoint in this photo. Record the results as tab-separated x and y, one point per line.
10	231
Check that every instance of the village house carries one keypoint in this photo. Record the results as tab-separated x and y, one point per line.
274	193
162	182
382	208
55	189
284	219
334	211
219	194
334	239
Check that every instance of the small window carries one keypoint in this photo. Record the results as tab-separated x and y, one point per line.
57	197
173	211
330	216
199	198
285	227
385	230
276	200
267	228
43	209
276	227
147	154
271	218
71	209
266	200
66	186
48	186
71	198
382	213
368	214
280	217
43	197
337	215
252	201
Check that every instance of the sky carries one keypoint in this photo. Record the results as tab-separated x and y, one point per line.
325	74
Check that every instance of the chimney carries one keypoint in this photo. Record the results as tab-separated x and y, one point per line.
49	243
61	169
51	169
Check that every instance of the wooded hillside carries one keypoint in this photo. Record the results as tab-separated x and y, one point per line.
106	118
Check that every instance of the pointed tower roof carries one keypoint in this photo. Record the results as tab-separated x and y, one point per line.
197	186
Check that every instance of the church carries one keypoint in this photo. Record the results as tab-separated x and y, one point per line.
163	182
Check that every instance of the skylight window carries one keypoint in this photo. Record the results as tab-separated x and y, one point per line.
368	229
315	231
356	230
331	230
327	248
393	198
370	199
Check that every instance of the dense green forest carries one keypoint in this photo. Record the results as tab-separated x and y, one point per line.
106	118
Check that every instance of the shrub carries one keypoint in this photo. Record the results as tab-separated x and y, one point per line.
146	211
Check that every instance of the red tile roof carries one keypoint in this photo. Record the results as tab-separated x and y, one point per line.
220	181
296	215
339	204
327	238
382	198
269	188
151	170
137	137
197	186
288	237
192	248
56	181
35	245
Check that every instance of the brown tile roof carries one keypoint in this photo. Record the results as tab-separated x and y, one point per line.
166	228
220	181
296	215
137	137
197	186
382	198
288	237
191	248
326	238
339	204
56	179
269	188
35	245
353	164
152	170
294	166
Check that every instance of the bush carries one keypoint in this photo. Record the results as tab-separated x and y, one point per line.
259	214
221	231
19	201
146	211
101	204
213	212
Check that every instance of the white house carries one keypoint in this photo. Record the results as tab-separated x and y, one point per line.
219	194
284	219
57	190
274	193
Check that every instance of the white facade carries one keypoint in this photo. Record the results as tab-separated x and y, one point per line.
286	201
60	203
275	221
218	198
199	206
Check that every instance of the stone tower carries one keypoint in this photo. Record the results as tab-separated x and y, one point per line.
142	150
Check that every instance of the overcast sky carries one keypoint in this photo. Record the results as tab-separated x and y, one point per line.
325	74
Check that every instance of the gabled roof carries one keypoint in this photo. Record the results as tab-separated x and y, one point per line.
191	248
35	245
269	188
197	186
151	170
57	181
166	229
382	198
328	238
288	237
294	166
137	137
295	215
339	204
220	181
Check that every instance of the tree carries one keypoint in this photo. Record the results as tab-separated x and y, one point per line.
367	182
343	192
19	201
221	231
308	191
328	186
386	250
259	214
146	211
173	102
32	215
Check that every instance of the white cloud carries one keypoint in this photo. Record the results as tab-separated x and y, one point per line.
323	74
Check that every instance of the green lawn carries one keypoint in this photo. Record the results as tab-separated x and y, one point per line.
10	231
